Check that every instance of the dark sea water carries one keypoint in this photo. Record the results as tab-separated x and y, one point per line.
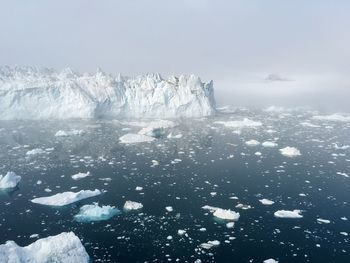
205	173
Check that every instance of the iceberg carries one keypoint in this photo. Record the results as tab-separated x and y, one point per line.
65	247
94	212
65	198
10	180
32	93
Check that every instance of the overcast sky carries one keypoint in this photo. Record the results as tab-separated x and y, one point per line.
235	43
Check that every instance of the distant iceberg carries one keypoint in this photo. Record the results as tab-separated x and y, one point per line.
31	93
65	247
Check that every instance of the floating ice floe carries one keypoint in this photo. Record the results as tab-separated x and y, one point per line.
65	198
65	247
181	232
79	176
290	151
333	117
245	123
226	214
138	188
252	143
94	212
288	214
266	201
130	205
323	221
35	151
62	133
210	244
130	138
10	180
269	144
157	128
169	208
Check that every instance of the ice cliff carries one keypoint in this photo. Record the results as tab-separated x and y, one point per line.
32	93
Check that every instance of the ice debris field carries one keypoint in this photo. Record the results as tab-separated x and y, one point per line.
243	185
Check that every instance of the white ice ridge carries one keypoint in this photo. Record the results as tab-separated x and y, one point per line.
65	247
65	198
32	93
10	180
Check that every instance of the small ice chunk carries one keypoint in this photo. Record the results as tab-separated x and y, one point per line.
65	198
288	214
265	201
270	260
79	176
252	143
323	221
65	247
131	138
10	180
269	144
181	232
290	151
226	214
230	225
138	188
245	123
210	244
94	212
169	209
130	205
333	117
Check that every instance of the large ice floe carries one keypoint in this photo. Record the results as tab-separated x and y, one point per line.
66	198
94	212
65	247
32	93
10	180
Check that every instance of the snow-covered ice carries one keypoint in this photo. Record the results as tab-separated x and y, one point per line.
288	214
47	94
10	180
290	151
65	247
94	212
66	198
130	205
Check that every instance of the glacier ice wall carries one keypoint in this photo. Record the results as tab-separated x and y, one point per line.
32	93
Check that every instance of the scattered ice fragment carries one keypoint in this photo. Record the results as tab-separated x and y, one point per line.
79	176
344	233
230	224
269	144
130	205
62	133
10	180
252	143
270	260
131	138
266	201
210	244
34	236
181	232
138	188
290	151
65	198
94	212
288	214
65	247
